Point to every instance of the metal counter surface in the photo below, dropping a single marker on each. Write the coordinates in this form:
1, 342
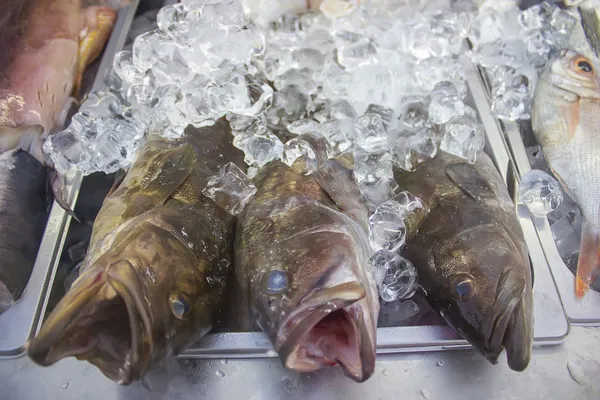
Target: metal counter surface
437, 375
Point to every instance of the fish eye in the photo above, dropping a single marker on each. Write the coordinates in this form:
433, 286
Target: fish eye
277, 281
463, 287
584, 66
180, 305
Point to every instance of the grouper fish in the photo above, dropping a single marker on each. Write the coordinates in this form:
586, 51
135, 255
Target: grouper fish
153, 280
471, 256
301, 260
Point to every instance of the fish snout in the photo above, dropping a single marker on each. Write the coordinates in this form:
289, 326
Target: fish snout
512, 328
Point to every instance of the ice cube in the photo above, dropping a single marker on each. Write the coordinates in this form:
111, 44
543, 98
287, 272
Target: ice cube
445, 103
387, 228
371, 167
399, 275
302, 79
463, 137
433, 70
377, 193
411, 148
487, 28
239, 123
124, 68
143, 90
230, 188
226, 12
540, 192
354, 55
512, 105
420, 41
102, 104
304, 126
387, 114
259, 145
501, 52
336, 83
538, 48
401, 311
247, 96
171, 19
414, 112
66, 150
370, 133
300, 155
336, 8
336, 110
410, 204
338, 133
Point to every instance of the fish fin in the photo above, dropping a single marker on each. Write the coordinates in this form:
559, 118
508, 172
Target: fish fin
25, 137
98, 24
119, 177
169, 172
590, 21
338, 182
58, 183
469, 180
588, 266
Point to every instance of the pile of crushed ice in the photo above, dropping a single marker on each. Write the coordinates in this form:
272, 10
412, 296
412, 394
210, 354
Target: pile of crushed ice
515, 46
384, 80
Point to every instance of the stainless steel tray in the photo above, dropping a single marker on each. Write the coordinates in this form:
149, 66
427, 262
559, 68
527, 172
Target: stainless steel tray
22, 321
550, 323
551, 326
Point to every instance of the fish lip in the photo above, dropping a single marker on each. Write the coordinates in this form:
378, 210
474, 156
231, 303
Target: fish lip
507, 288
313, 310
122, 277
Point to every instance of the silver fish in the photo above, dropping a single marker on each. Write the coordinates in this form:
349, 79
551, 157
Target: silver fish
566, 122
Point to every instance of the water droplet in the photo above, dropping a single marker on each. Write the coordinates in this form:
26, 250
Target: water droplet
65, 385
577, 373
220, 373
439, 364
425, 393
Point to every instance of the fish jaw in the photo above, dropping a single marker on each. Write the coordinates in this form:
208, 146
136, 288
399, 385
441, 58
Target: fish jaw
511, 327
327, 329
77, 329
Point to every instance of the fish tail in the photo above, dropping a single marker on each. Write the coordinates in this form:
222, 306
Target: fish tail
589, 259
98, 25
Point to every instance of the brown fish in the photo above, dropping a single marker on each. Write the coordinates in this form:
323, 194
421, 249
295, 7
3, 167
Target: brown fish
302, 252
153, 280
471, 256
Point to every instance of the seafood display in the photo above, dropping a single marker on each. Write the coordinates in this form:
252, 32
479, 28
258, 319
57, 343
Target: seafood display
295, 170
565, 120
471, 257
153, 280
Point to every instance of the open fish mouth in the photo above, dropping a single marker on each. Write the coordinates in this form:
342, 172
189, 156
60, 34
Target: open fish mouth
328, 329
102, 320
511, 329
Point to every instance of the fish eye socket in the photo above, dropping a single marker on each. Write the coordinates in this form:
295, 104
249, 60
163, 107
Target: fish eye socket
584, 66
463, 287
180, 305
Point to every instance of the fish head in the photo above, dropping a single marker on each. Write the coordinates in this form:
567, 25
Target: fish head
575, 74
311, 293
143, 299
484, 293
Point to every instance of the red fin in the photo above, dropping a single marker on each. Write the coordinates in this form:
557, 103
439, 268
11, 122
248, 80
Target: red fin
589, 259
